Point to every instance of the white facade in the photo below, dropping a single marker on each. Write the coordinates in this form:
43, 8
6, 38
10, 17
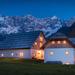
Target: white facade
65, 55
16, 53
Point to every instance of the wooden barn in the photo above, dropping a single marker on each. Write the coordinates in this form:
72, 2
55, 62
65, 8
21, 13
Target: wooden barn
22, 45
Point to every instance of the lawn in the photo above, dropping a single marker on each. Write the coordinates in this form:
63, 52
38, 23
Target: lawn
31, 67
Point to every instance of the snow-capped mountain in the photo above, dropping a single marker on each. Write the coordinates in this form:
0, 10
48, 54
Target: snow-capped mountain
16, 24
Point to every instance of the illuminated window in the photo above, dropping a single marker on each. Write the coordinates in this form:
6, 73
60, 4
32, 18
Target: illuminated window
67, 52
67, 63
41, 38
2, 54
35, 43
40, 44
53, 42
21, 54
58, 42
12, 54
39, 52
51, 53
64, 42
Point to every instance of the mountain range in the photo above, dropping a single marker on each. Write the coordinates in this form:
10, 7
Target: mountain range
49, 25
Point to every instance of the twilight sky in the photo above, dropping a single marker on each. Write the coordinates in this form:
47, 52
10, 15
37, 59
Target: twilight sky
39, 8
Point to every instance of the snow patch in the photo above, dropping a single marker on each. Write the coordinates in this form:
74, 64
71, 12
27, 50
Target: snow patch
54, 17
9, 29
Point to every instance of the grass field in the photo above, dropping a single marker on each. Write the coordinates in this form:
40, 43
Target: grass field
29, 67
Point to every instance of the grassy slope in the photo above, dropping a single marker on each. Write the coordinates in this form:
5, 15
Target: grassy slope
28, 67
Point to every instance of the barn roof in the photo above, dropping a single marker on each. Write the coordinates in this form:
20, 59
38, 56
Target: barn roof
49, 43
58, 35
70, 36
18, 40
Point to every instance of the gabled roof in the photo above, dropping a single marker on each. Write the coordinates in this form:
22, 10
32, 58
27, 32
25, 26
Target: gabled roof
18, 40
69, 32
58, 35
49, 44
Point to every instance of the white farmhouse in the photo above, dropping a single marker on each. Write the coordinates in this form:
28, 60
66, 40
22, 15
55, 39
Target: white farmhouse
22, 45
59, 49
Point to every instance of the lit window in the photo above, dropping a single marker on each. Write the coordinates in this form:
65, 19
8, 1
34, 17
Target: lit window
21, 54
2, 54
41, 38
12, 54
35, 43
67, 52
39, 52
53, 42
64, 42
67, 63
58, 42
40, 44
51, 53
